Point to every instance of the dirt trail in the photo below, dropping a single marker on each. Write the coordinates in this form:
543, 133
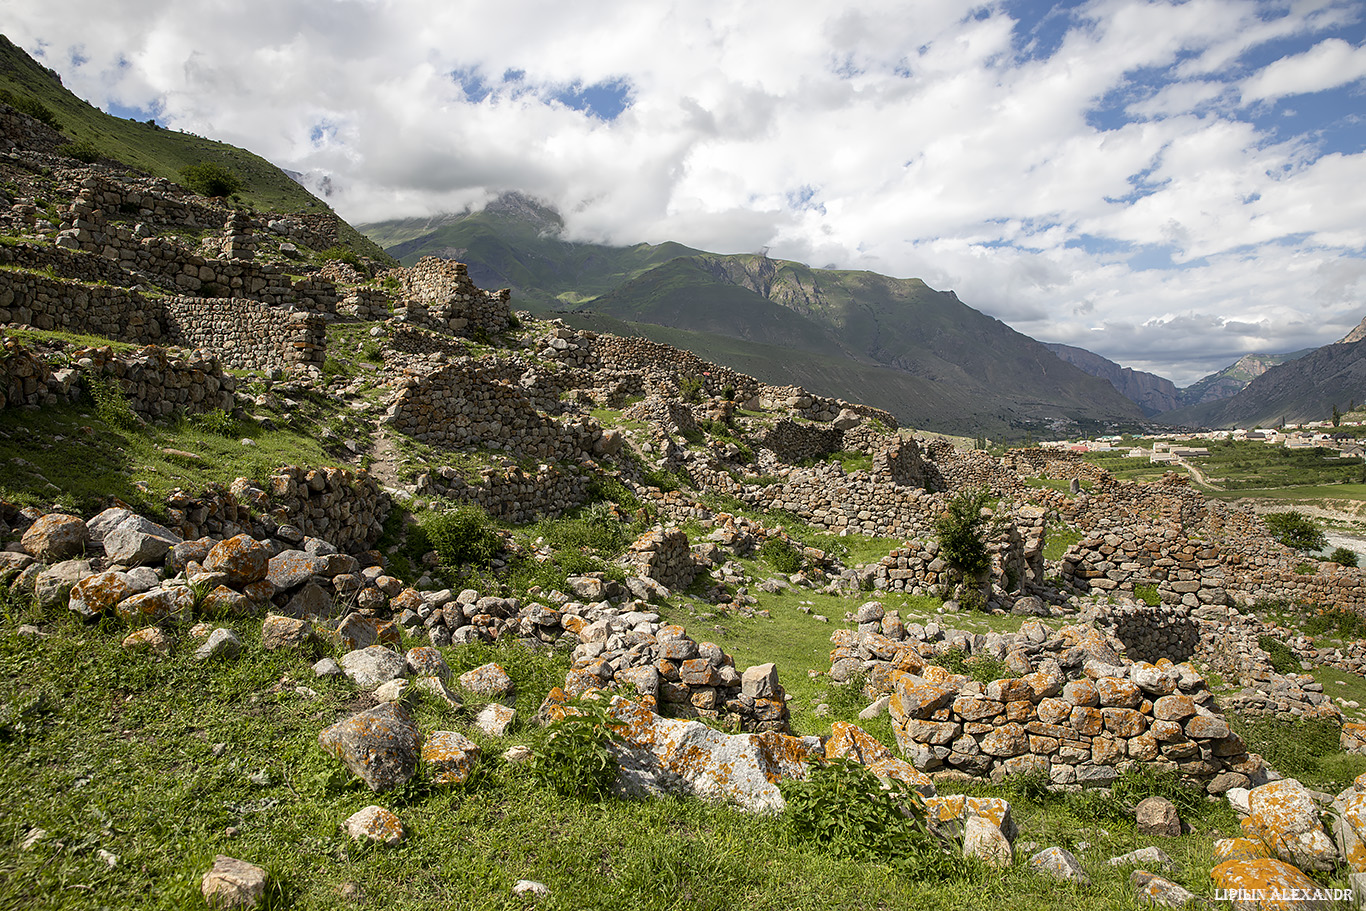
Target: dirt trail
385, 458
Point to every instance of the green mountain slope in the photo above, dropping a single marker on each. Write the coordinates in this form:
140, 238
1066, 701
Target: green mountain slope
1303, 389
935, 361
515, 243
157, 151
901, 324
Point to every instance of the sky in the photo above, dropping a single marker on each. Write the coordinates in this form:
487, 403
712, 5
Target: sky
1169, 184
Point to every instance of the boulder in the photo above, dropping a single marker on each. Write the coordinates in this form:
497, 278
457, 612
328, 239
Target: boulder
52, 586
370, 667
658, 755
451, 756
175, 603
150, 639
1157, 816
233, 883
983, 839
98, 593
242, 559
494, 719
489, 681
222, 644
1151, 890
374, 824
1285, 818
1248, 882
287, 632
291, 568
1061, 864
849, 741
379, 745
136, 541
56, 536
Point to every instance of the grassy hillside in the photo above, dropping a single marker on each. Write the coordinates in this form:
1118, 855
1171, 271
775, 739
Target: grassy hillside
514, 243
157, 151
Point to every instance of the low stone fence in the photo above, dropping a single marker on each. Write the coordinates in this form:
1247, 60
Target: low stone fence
342, 506
512, 494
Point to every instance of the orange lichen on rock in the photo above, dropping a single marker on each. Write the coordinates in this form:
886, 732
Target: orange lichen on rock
451, 755
1267, 884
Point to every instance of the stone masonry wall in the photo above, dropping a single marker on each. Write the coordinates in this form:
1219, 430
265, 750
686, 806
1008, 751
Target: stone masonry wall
438, 293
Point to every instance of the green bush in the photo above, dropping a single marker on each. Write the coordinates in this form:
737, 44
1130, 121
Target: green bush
111, 405
962, 529
462, 536
343, 255
209, 178
1148, 595
217, 422
1296, 530
1338, 621
32, 107
846, 811
785, 556
1343, 557
81, 150
981, 668
690, 389
571, 756
1283, 660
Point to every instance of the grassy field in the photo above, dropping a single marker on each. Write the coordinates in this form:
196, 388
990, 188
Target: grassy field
163, 763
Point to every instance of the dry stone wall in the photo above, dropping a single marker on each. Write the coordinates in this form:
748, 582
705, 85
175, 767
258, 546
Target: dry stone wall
20, 131
438, 293
245, 333
345, 507
466, 403
512, 494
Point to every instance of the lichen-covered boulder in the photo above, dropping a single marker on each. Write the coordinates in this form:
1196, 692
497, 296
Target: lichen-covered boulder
370, 667
848, 741
948, 814
1268, 884
658, 755
425, 661
290, 568
374, 824
1349, 825
1151, 890
1285, 818
242, 559
494, 719
984, 840
450, 755
379, 745
149, 639
1062, 864
55, 536
489, 681
287, 632
94, 595
175, 603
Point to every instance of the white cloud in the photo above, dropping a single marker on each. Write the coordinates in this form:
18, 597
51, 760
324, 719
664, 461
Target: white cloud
908, 138
1326, 65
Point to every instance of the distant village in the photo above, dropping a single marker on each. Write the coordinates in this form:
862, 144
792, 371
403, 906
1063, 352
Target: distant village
1173, 447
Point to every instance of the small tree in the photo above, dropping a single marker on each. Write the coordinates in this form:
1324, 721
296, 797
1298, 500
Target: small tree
962, 532
209, 178
1295, 529
1337, 415
1343, 557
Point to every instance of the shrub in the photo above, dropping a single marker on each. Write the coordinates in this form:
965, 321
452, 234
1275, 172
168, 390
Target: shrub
785, 556
464, 535
572, 757
216, 422
343, 255
1338, 621
1343, 557
843, 809
32, 107
1283, 660
1148, 595
690, 389
111, 405
961, 531
81, 150
209, 178
1296, 530
981, 668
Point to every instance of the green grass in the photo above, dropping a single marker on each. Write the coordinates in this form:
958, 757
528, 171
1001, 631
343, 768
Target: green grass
65, 455
122, 760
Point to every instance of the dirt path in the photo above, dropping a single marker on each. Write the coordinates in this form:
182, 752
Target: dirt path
1198, 475
384, 458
